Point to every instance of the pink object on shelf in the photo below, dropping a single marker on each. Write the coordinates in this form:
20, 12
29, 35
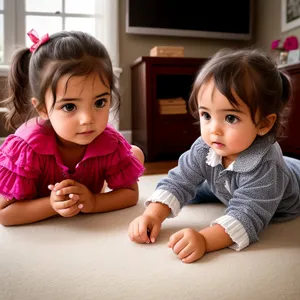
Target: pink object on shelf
291, 43
275, 44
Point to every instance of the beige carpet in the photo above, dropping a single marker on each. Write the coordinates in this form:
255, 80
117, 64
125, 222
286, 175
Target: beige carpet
91, 257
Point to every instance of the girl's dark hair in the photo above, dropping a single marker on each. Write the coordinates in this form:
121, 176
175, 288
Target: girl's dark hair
71, 53
254, 77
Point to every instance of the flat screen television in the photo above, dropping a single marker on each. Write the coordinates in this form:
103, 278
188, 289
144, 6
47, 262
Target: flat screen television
221, 19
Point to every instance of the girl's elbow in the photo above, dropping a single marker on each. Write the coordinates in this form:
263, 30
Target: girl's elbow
5, 219
134, 199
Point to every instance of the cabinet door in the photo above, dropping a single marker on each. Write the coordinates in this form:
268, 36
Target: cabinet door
291, 145
173, 133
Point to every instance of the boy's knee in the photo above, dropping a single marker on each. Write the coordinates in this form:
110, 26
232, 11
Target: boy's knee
138, 153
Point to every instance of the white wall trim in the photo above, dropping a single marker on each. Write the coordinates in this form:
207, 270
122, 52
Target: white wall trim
4, 70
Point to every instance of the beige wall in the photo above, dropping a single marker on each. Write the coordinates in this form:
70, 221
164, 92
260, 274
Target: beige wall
268, 24
133, 46
267, 27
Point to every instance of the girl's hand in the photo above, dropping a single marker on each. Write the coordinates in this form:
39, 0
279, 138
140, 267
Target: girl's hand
63, 205
188, 244
77, 192
144, 229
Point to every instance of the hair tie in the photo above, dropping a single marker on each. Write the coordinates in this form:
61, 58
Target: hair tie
34, 37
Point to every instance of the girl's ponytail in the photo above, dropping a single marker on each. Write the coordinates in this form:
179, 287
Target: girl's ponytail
18, 90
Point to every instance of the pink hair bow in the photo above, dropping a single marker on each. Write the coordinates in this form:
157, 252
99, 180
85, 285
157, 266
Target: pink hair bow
36, 40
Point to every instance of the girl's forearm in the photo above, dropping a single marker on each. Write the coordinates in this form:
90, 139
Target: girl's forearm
117, 199
216, 238
26, 211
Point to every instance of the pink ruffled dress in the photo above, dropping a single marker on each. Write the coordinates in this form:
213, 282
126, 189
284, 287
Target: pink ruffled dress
29, 162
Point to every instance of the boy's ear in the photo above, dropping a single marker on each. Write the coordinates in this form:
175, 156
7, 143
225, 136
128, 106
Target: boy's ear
266, 125
42, 112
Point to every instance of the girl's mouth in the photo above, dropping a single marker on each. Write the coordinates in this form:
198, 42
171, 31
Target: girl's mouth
86, 132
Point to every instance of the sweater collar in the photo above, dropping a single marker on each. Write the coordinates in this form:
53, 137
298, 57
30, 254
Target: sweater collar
247, 160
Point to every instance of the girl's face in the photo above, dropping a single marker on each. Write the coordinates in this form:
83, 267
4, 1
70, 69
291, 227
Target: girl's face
81, 110
226, 129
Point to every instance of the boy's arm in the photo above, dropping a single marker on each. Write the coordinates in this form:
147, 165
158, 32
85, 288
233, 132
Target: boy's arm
215, 238
157, 209
17, 212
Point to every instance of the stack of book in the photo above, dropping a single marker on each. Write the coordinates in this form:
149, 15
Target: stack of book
167, 51
172, 106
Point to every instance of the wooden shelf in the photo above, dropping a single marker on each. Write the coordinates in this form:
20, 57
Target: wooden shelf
291, 145
162, 137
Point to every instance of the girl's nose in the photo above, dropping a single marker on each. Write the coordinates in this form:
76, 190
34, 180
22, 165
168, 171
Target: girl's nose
86, 118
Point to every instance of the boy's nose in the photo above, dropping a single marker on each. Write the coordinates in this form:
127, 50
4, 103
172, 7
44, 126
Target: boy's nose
215, 128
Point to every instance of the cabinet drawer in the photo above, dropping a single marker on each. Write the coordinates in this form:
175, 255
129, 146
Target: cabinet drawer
176, 133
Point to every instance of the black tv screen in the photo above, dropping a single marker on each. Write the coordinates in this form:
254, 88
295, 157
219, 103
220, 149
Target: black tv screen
223, 19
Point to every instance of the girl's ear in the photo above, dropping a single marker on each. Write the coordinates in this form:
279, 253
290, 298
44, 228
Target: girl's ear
42, 112
266, 125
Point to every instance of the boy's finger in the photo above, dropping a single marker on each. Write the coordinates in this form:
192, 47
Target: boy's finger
175, 238
143, 233
154, 233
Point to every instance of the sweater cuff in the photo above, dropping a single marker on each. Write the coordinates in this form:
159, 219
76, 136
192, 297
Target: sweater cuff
166, 198
236, 231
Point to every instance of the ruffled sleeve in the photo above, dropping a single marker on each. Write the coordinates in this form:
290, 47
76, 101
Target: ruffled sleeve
19, 169
122, 168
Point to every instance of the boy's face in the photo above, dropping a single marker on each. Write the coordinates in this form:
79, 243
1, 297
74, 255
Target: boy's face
81, 110
226, 129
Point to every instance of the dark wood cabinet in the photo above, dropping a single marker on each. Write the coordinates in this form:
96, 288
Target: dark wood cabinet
162, 137
291, 145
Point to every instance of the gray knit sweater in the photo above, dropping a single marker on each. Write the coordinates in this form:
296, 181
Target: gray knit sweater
260, 186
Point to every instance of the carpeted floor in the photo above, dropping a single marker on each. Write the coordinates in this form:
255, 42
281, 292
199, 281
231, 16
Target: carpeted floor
90, 257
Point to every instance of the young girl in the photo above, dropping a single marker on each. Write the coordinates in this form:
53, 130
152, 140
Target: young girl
57, 163
240, 98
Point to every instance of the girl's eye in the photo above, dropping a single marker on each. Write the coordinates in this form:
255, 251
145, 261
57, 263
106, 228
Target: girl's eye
100, 103
231, 119
69, 107
205, 115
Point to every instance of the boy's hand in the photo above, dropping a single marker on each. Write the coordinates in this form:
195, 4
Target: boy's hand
188, 244
144, 229
77, 192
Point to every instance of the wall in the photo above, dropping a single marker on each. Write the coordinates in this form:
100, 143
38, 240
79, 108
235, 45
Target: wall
268, 24
267, 27
133, 46
3, 132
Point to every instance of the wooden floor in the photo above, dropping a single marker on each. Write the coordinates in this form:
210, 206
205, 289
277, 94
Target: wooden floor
161, 167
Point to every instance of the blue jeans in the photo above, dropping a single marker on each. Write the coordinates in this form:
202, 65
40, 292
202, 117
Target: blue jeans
204, 195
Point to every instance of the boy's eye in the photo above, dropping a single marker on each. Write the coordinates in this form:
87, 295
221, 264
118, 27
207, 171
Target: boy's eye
69, 107
205, 115
231, 119
100, 103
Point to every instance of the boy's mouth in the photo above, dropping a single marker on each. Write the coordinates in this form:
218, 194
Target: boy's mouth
218, 145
